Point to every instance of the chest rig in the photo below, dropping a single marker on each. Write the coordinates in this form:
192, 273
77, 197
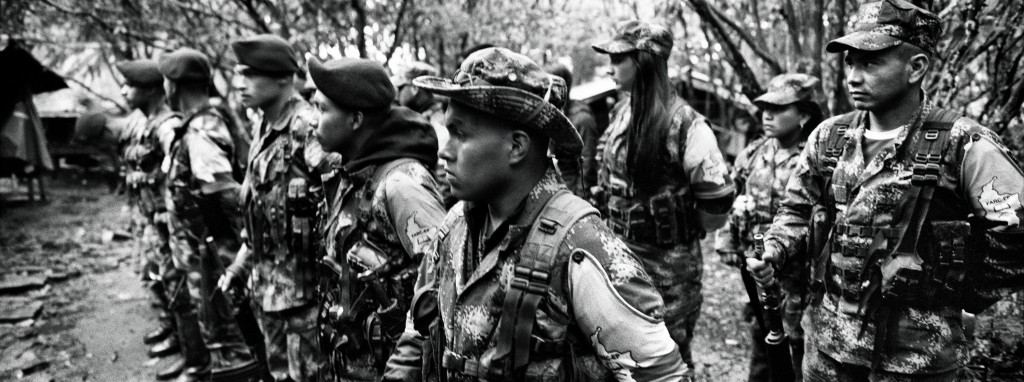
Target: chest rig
362, 308
665, 219
945, 233
514, 339
143, 156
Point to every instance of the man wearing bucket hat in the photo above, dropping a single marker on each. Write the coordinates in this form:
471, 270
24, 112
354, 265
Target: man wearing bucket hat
205, 222
926, 217
662, 180
279, 191
790, 110
381, 213
525, 282
146, 146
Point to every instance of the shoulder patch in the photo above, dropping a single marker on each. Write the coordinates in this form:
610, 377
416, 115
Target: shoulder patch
1001, 205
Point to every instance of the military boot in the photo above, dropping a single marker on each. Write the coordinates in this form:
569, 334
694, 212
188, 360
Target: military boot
162, 332
172, 370
196, 356
168, 346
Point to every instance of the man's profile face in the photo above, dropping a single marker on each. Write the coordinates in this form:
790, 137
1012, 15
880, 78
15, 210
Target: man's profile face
134, 96
258, 90
476, 154
335, 129
877, 78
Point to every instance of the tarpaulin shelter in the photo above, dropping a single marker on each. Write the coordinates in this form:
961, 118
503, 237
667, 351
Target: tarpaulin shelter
23, 147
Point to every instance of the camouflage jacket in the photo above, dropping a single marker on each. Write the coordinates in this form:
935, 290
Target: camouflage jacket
602, 302
761, 172
146, 145
389, 212
976, 176
695, 170
202, 196
280, 207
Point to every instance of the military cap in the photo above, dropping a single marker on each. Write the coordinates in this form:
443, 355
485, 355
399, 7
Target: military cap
638, 35
141, 73
266, 54
411, 72
185, 64
354, 83
788, 88
888, 23
510, 85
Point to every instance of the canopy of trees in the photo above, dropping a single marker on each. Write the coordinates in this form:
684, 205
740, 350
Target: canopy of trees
739, 43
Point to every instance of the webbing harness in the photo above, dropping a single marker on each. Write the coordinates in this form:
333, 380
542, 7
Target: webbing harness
932, 140
528, 287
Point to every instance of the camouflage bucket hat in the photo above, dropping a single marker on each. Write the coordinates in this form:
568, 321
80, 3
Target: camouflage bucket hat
888, 23
638, 35
785, 89
510, 85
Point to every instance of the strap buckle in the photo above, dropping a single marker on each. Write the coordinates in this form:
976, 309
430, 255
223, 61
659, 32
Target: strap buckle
460, 364
925, 174
530, 280
931, 135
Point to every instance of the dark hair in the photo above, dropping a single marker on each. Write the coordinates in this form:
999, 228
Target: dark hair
813, 110
648, 127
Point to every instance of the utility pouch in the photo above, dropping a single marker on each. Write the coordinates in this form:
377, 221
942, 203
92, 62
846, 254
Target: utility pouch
300, 210
666, 219
626, 218
949, 254
904, 287
690, 226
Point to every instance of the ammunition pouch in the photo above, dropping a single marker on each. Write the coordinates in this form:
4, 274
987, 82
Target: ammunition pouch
301, 212
666, 219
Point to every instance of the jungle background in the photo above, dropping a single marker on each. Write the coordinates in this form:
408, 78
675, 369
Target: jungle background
736, 46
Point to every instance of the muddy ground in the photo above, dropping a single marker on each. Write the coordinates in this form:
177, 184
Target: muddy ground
95, 311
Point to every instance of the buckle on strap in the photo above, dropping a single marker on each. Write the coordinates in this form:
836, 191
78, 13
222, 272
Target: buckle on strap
925, 174
530, 280
463, 365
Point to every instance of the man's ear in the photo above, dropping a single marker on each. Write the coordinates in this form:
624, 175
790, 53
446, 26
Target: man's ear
919, 64
357, 120
520, 146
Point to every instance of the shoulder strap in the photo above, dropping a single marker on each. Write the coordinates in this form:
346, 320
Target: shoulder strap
531, 280
835, 144
932, 140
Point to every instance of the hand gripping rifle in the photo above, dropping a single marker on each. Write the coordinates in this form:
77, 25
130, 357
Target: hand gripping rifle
780, 360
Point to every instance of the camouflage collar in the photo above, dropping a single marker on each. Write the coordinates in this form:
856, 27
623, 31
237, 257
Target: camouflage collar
521, 222
285, 116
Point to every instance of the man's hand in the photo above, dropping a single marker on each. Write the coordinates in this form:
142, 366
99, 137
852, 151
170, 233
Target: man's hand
763, 270
228, 279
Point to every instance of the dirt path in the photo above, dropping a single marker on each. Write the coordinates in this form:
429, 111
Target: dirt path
112, 329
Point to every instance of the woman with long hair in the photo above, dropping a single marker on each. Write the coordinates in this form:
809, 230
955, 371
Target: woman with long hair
662, 182
790, 110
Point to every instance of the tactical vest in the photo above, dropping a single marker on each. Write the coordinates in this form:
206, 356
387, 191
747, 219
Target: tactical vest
362, 312
142, 159
937, 236
665, 219
516, 345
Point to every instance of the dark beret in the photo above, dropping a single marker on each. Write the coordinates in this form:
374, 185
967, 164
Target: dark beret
141, 73
354, 83
266, 53
185, 64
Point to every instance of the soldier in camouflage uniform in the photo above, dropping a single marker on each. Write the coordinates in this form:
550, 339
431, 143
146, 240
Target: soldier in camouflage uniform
280, 209
525, 283
926, 220
205, 221
144, 150
790, 111
662, 179
380, 214
579, 173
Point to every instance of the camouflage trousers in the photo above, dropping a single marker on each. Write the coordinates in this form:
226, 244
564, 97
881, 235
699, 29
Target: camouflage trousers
676, 273
819, 367
218, 327
291, 338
